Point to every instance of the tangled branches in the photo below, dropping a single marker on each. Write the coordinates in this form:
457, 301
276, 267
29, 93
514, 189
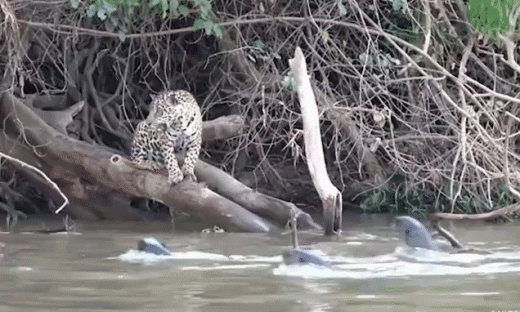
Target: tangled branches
406, 95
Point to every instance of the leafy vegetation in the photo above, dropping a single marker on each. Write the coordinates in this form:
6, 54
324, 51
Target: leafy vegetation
414, 202
493, 16
120, 15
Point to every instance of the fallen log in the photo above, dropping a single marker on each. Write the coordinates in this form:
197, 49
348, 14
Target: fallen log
271, 208
97, 166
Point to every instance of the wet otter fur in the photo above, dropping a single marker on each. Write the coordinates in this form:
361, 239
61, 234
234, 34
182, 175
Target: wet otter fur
153, 246
415, 234
297, 255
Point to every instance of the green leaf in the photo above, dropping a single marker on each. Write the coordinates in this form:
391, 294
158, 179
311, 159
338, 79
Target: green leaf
205, 8
491, 16
114, 21
164, 8
325, 36
217, 31
259, 43
74, 4
198, 24
208, 26
174, 4
109, 7
121, 35
101, 14
91, 10
154, 3
183, 10
397, 5
132, 3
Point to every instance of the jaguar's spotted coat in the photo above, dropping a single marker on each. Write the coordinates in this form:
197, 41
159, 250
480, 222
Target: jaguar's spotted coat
171, 132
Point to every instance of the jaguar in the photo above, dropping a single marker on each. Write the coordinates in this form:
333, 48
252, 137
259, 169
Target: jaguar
170, 137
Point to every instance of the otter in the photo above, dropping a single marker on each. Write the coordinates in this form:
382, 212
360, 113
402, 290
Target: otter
415, 234
297, 255
153, 246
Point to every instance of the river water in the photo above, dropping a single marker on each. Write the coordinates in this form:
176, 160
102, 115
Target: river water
98, 269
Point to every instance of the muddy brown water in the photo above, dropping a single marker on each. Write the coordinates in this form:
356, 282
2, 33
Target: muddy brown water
98, 269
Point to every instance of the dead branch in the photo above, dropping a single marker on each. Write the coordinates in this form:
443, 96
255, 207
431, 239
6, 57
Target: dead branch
442, 231
221, 128
329, 194
53, 185
503, 213
268, 207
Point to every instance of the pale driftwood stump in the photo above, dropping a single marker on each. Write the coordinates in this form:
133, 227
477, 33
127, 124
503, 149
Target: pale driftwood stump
329, 194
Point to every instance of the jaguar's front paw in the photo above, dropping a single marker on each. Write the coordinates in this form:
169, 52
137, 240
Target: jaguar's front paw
175, 178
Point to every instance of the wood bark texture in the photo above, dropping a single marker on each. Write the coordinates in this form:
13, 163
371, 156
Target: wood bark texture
329, 194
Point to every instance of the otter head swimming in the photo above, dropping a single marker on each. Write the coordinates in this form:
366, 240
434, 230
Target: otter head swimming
415, 234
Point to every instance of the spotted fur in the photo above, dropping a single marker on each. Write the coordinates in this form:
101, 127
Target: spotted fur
170, 136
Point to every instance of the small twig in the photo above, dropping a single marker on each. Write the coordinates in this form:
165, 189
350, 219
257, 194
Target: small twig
23, 164
515, 193
462, 152
491, 93
442, 231
428, 22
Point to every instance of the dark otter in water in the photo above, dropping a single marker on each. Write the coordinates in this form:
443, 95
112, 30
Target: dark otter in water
292, 256
415, 234
151, 245
296, 254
